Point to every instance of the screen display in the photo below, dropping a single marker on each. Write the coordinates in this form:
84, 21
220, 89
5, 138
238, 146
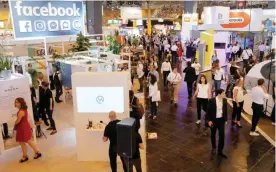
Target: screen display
100, 99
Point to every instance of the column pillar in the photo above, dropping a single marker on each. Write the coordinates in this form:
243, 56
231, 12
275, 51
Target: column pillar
94, 17
190, 6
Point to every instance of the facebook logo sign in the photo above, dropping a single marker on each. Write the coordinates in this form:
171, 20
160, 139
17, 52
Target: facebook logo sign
46, 18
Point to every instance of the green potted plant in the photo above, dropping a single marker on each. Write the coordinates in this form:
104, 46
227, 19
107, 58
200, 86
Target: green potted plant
5, 67
83, 43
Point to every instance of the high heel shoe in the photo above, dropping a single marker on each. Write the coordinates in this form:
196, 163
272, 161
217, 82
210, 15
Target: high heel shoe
26, 158
37, 155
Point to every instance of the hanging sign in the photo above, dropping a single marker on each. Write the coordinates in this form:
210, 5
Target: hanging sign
46, 18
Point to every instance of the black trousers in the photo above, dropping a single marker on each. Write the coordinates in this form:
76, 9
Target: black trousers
153, 107
200, 102
136, 163
257, 113
52, 85
50, 117
113, 161
141, 80
5, 132
59, 92
237, 111
273, 114
245, 63
174, 57
190, 89
218, 124
165, 76
261, 56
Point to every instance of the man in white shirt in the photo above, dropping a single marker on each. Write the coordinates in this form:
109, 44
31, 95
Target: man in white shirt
165, 70
197, 67
217, 118
174, 53
174, 79
219, 76
140, 74
235, 50
261, 48
259, 94
246, 55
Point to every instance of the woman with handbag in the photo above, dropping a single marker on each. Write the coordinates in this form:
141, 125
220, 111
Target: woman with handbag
153, 90
238, 99
23, 130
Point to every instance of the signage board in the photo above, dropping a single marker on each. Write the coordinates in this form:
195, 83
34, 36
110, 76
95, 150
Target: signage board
131, 13
216, 15
239, 20
46, 18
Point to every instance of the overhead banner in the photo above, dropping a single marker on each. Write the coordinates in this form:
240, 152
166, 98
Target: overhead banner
46, 18
188, 22
239, 20
216, 15
131, 13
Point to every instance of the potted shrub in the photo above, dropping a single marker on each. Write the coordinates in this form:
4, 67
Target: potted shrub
5, 67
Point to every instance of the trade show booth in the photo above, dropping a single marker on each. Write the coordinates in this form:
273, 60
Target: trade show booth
95, 94
10, 89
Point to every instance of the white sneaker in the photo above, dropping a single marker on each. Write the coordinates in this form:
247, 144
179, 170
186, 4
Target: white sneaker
198, 122
273, 123
254, 133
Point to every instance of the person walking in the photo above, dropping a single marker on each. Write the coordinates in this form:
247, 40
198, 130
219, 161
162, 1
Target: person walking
203, 93
214, 57
217, 118
23, 130
165, 70
48, 107
259, 93
218, 77
228, 52
238, 99
247, 54
58, 85
140, 73
190, 77
153, 88
174, 79
110, 133
261, 48
174, 49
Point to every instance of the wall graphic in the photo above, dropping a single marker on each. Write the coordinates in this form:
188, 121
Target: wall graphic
46, 18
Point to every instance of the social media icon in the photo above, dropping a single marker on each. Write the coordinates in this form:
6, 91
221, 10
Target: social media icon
53, 25
100, 99
39, 25
76, 24
25, 26
65, 25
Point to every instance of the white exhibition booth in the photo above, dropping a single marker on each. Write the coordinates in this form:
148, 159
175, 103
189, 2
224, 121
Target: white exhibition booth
10, 89
95, 94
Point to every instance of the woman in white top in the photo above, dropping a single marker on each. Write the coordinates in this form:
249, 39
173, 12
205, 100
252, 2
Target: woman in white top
165, 71
203, 93
238, 99
154, 63
153, 88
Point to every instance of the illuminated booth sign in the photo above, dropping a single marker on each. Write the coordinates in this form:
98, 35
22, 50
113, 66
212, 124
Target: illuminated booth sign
46, 18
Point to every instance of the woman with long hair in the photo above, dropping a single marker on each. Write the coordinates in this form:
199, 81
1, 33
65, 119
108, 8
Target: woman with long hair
153, 88
238, 99
214, 57
203, 93
23, 130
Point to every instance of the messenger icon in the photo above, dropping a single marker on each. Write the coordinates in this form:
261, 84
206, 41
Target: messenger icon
65, 25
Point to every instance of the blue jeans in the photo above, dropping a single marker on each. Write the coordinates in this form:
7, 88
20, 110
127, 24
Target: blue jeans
217, 84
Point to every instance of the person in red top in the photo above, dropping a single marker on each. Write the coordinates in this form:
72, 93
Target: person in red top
179, 51
23, 130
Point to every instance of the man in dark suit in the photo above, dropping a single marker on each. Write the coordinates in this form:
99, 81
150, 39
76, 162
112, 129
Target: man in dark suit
217, 118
